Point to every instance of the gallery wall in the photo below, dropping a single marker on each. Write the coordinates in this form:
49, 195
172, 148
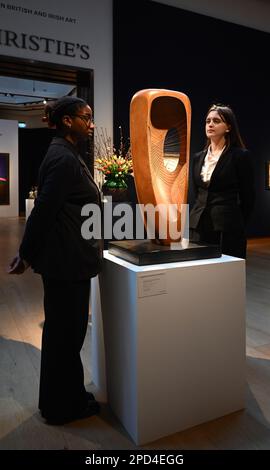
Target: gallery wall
208, 59
77, 34
252, 13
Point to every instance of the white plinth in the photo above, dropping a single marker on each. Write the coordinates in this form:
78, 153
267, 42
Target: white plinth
174, 339
29, 204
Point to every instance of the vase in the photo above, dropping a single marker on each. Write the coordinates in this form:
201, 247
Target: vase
117, 194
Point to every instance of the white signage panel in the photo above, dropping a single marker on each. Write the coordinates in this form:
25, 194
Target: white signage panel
57, 32
77, 34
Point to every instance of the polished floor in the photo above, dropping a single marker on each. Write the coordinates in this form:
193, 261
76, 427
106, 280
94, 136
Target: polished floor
21, 319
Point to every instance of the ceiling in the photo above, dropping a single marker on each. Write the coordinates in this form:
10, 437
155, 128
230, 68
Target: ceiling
18, 92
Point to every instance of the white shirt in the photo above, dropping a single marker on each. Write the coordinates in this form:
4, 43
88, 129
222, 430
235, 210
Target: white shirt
209, 165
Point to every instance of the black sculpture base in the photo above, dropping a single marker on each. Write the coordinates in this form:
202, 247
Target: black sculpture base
144, 252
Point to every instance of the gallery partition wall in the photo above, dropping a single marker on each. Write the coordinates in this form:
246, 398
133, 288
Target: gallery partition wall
208, 59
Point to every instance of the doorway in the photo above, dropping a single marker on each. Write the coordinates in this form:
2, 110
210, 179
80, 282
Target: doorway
33, 143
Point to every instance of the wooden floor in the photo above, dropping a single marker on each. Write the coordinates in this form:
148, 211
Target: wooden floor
21, 318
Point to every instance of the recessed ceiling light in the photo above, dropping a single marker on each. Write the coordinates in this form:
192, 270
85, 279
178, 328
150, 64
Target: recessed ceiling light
21, 124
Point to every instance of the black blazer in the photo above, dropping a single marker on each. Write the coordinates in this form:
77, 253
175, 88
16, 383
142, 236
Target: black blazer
52, 242
229, 197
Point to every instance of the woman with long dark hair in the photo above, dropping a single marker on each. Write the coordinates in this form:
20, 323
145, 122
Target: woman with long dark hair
224, 183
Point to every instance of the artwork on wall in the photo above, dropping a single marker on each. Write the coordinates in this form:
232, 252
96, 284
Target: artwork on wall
4, 179
267, 175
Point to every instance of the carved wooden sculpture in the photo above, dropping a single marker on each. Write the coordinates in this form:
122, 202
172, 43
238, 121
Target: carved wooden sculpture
160, 134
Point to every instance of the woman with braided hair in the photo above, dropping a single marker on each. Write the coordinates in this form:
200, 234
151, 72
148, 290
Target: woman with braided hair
54, 247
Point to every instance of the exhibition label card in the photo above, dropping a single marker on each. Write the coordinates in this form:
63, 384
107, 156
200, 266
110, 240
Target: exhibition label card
154, 284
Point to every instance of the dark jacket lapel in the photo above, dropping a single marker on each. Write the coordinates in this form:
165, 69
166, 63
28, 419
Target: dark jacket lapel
198, 165
65, 143
220, 164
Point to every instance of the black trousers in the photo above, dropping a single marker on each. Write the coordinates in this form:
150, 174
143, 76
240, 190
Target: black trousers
232, 242
66, 307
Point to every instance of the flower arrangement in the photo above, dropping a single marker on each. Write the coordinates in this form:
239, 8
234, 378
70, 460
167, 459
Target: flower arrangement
115, 165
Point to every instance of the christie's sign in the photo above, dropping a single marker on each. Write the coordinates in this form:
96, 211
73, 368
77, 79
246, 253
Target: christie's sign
32, 42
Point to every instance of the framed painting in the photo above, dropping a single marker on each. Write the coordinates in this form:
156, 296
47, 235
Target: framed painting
4, 179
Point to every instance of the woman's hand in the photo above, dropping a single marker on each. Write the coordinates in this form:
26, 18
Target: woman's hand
17, 265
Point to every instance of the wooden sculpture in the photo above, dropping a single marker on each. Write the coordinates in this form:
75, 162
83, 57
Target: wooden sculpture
160, 134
